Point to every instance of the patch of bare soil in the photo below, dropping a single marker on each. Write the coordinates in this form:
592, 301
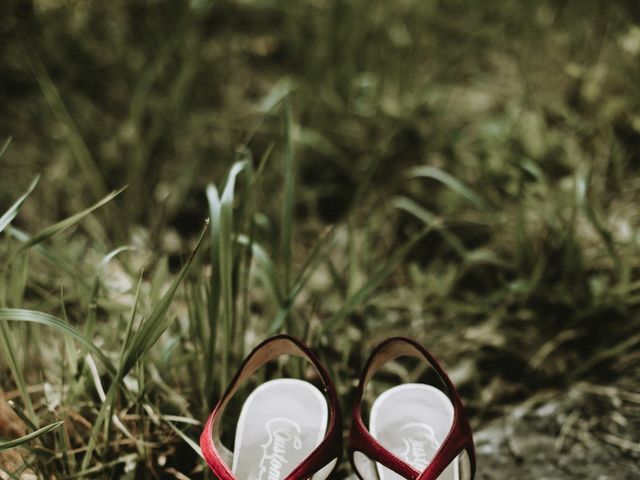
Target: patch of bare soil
586, 432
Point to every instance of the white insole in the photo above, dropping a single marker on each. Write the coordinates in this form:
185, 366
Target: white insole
411, 421
280, 424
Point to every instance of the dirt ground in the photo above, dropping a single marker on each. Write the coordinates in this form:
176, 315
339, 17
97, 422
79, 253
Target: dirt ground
562, 435
528, 451
568, 437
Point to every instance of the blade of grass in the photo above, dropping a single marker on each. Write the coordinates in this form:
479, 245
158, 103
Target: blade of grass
110, 256
198, 332
224, 235
57, 260
278, 93
265, 269
194, 446
91, 472
132, 319
452, 183
109, 401
157, 122
27, 438
5, 145
62, 225
213, 293
151, 330
16, 371
594, 218
10, 214
77, 145
319, 252
22, 315
141, 342
286, 237
90, 324
18, 411
373, 282
18, 279
430, 220
246, 209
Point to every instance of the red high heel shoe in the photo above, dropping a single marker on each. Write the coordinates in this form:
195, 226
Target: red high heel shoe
287, 429
415, 430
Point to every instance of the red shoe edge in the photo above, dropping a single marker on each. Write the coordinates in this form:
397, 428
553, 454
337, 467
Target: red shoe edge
331, 446
458, 440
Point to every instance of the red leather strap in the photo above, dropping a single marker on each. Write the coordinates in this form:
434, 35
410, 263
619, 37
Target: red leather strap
458, 439
331, 446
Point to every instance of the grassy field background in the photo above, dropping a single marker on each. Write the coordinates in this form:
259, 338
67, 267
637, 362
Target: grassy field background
465, 173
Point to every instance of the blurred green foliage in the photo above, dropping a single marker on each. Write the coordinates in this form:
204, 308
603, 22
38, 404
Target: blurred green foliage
463, 172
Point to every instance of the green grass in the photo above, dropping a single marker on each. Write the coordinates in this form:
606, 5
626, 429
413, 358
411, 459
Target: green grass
19, 441
463, 174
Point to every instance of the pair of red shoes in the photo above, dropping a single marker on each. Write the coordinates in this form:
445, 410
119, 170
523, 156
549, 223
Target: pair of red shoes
290, 430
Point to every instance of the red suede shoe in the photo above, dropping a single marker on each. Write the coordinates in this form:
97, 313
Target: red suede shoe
287, 429
415, 430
